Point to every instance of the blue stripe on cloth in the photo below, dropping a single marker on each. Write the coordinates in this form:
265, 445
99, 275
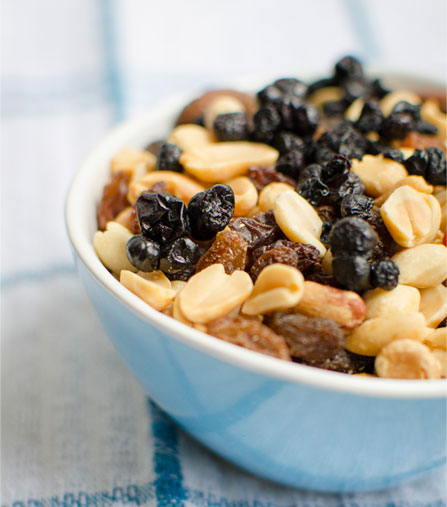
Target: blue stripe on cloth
359, 18
108, 10
169, 480
11, 280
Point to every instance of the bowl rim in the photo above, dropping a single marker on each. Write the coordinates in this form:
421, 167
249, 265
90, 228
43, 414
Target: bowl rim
76, 211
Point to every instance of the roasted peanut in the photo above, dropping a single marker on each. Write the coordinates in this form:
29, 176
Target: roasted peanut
224, 161
402, 299
178, 184
345, 307
391, 99
411, 217
354, 110
153, 288
298, 220
124, 216
422, 266
245, 195
441, 197
326, 262
189, 136
212, 293
407, 359
327, 94
431, 112
378, 174
278, 287
129, 160
416, 182
268, 195
441, 356
434, 304
110, 246
222, 104
369, 338
437, 338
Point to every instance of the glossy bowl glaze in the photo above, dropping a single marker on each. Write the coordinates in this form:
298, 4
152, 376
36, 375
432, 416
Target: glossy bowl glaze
297, 425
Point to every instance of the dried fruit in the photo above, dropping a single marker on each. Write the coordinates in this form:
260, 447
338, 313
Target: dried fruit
430, 163
114, 199
291, 164
358, 205
266, 122
346, 362
231, 127
351, 271
262, 176
384, 274
310, 184
308, 338
168, 158
250, 334
178, 259
344, 140
352, 236
143, 253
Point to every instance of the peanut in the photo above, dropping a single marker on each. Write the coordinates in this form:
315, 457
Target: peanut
327, 94
270, 192
345, 307
416, 182
407, 359
212, 293
402, 299
391, 99
431, 112
189, 136
224, 161
221, 105
434, 304
153, 288
245, 195
411, 217
437, 338
128, 160
110, 246
298, 220
369, 338
178, 184
378, 174
277, 287
441, 196
422, 266
124, 216
441, 356
354, 110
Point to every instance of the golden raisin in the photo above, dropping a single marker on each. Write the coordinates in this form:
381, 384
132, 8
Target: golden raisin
229, 248
114, 199
421, 141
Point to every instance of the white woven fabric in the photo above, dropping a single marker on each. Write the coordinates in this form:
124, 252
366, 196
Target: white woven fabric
76, 427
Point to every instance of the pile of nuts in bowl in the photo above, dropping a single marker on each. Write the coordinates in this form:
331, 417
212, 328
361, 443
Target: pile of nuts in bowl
306, 222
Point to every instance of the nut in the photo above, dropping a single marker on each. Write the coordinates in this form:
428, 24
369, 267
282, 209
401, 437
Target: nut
327, 94
245, 195
270, 192
190, 136
344, 307
441, 356
178, 184
434, 304
128, 160
378, 174
110, 246
431, 112
369, 338
298, 220
411, 217
416, 182
153, 288
212, 293
407, 359
224, 161
354, 110
326, 262
391, 99
402, 299
437, 339
422, 266
124, 217
441, 197
222, 104
277, 287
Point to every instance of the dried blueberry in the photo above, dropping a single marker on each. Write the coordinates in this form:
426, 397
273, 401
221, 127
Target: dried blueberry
371, 117
310, 185
336, 166
397, 126
384, 274
291, 164
210, 211
162, 217
351, 271
335, 107
344, 140
306, 119
291, 86
287, 141
394, 154
348, 68
430, 163
168, 158
178, 260
231, 127
424, 127
352, 236
344, 184
266, 122
358, 205
325, 232
143, 253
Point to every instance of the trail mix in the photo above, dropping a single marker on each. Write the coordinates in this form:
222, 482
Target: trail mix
306, 222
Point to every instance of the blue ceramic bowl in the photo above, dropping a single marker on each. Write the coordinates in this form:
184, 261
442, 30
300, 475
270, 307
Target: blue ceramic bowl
297, 425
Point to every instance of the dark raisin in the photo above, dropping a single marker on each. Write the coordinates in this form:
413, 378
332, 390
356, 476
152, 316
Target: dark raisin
143, 253
310, 185
178, 260
384, 274
210, 211
162, 217
358, 205
279, 254
262, 176
328, 212
325, 232
371, 117
291, 163
250, 334
308, 338
229, 248
168, 158
420, 141
231, 127
286, 141
351, 271
352, 236
346, 362
114, 199
266, 122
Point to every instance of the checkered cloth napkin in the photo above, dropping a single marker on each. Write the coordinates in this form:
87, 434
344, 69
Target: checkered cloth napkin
76, 427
